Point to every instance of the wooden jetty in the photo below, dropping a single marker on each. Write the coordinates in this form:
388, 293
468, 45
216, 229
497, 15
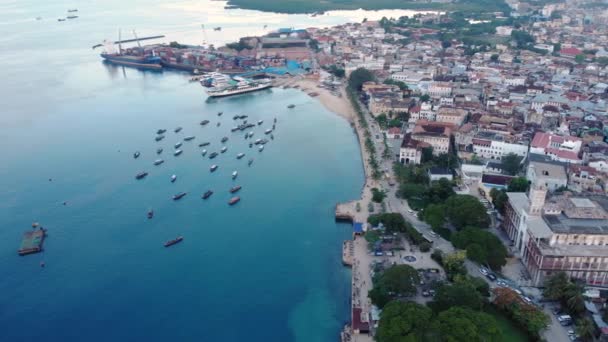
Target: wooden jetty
32, 242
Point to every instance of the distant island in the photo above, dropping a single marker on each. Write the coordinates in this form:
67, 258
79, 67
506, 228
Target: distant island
319, 6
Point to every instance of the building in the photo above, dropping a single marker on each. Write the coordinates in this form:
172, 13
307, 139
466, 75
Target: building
564, 233
437, 173
440, 89
565, 149
490, 145
451, 115
436, 134
411, 150
550, 175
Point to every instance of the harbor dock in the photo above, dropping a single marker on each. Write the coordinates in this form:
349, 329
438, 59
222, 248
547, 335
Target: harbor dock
32, 242
346, 211
348, 252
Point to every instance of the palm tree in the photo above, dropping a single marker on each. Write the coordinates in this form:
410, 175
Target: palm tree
585, 329
573, 296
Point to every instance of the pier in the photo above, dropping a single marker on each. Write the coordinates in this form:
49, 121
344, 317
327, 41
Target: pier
346, 211
348, 252
32, 242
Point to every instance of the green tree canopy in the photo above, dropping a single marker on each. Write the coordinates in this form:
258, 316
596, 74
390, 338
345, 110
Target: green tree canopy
458, 294
463, 324
403, 321
466, 210
358, 77
511, 164
425, 98
499, 199
434, 215
397, 281
481, 246
518, 184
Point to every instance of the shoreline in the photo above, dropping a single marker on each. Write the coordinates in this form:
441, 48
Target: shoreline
353, 250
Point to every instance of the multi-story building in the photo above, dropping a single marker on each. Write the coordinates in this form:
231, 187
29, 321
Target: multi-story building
451, 115
490, 145
550, 175
440, 89
565, 233
411, 150
565, 149
436, 134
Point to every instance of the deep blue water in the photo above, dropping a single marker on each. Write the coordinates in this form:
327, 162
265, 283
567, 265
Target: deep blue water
267, 269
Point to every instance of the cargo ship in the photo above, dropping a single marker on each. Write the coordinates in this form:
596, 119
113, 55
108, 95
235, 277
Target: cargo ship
221, 85
119, 58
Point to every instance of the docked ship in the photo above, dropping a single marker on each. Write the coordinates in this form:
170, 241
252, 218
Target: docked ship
138, 61
220, 85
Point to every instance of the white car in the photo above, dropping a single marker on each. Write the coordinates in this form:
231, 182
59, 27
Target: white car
483, 271
433, 234
410, 211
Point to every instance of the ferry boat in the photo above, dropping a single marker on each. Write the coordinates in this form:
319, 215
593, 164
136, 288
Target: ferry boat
204, 122
159, 137
234, 200
224, 149
258, 141
204, 153
179, 196
159, 150
213, 168
136, 155
207, 194
177, 152
141, 175
235, 189
220, 85
174, 241
178, 145
188, 138
234, 174
204, 144
150, 214
177, 129
213, 155
173, 178
260, 122
158, 161
224, 139
268, 131
161, 131
240, 155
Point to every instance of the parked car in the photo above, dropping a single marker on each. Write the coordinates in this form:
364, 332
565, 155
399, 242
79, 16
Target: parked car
483, 271
491, 276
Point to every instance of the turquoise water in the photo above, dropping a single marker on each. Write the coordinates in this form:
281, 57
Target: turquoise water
267, 269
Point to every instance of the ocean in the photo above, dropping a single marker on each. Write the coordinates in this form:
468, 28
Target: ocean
267, 269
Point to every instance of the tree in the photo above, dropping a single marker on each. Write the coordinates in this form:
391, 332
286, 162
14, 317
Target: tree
397, 281
426, 154
511, 163
518, 184
499, 199
481, 246
393, 222
378, 195
403, 321
526, 315
358, 77
585, 329
494, 57
580, 59
425, 247
425, 98
458, 294
336, 71
466, 210
463, 324
434, 215
555, 286
453, 264
372, 237
603, 61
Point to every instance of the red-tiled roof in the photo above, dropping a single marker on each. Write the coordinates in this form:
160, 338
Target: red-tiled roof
570, 51
394, 130
358, 324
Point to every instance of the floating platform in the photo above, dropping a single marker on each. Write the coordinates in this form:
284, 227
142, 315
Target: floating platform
32, 242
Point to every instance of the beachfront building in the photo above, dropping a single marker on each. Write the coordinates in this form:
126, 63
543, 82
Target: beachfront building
564, 233
436, 134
